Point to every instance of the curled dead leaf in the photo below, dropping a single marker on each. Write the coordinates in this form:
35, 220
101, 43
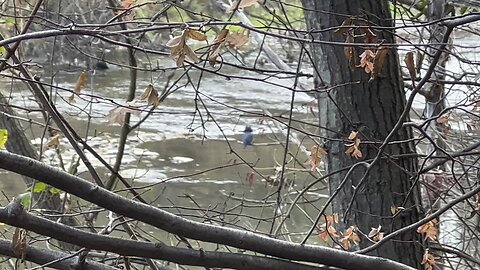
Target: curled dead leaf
350, 51
395, 209
353, 135
191, 55
366, 61
443, 119
180, 49
81, 81
376, 234
237, 39
428, 260
196, 35
54, 142
379, 60
117, 114
350, 237
19, 243
327, 229
151, 95
419, 61
175, 41
217, 44
353, 149
429, 229
316, 155
410, 62
250, 178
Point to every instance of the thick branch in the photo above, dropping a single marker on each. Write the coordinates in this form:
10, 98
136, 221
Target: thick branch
14, 215
187, 228
54, 259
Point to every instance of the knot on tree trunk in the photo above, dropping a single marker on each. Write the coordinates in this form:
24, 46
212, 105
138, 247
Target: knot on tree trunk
12, 212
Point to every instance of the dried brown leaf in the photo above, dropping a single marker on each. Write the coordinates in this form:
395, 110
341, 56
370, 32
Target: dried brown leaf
349, 237
242, 4
250, 178
332, 231
217, 44
376, 234
476, 105
81, 81
327, 229
316, 155
343, 28
350, 51
410, 62
357, 153
323, 234
237, 39
196, 35
54, 141
19, 243
353, 135
175, 41
191, 54
429, 229
221, 36
442, 119
428, 260
151, 95
379, 60
180, 49
393, 209
366, 61
353, 149
180, 60
117, 115
419, 61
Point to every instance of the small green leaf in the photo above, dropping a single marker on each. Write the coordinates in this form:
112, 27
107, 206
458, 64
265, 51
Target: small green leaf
39, 187
3, 137
2, 51
25, 199
10, 20
54, 190
463, 10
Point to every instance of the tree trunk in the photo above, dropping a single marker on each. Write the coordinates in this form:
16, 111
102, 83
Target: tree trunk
372, 107
17, 142
435, 95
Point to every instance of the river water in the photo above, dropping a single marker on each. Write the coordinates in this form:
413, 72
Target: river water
186, 167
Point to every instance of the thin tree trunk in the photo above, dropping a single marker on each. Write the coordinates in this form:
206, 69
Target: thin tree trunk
372, 107
435, 95
17, 142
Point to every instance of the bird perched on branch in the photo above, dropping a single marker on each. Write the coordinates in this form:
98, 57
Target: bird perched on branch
247, 137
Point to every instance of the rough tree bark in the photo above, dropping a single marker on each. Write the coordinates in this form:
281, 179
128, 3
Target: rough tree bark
373, 107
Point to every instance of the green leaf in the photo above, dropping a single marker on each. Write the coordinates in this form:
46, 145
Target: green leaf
463, 10
39, 187
10, 20
3, 137
54, 190
25, 199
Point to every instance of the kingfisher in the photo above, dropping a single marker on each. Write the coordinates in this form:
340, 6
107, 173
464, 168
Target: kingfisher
247, 138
